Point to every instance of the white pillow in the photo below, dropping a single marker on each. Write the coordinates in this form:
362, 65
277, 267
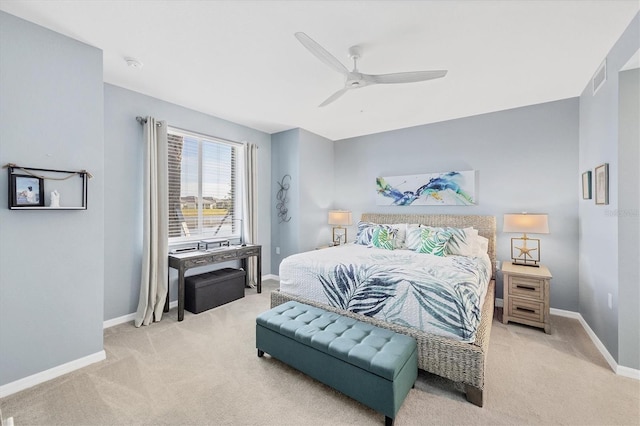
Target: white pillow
462, 241
401, 235
481, 246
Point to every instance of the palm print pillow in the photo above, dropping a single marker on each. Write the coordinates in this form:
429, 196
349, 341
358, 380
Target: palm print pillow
372, 234
426, 239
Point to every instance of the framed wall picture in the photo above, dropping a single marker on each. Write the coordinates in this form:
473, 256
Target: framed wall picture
27, 191
602, 184
586, 185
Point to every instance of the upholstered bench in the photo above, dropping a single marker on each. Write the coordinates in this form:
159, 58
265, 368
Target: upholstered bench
374, 366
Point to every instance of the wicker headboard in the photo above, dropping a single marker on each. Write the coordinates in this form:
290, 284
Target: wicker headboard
486, 225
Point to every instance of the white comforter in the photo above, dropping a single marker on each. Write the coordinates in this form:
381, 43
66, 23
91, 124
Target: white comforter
439, 295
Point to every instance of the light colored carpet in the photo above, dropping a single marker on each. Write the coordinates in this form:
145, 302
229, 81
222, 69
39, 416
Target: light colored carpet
205, 371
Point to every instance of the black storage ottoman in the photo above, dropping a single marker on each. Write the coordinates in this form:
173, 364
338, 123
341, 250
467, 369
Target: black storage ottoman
211, 289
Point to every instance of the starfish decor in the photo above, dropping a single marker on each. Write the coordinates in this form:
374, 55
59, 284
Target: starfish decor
524, 251
525, 254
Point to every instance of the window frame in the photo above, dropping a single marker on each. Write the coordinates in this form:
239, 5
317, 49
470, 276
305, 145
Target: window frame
237, 167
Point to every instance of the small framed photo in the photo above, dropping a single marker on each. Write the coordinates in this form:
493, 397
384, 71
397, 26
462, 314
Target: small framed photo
27, 191
586, 185
602, 184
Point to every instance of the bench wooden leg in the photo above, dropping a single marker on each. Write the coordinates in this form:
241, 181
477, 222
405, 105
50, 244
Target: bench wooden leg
260, 353
388, 421
474, 395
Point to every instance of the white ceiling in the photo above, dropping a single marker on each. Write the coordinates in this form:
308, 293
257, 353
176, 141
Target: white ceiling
239, 60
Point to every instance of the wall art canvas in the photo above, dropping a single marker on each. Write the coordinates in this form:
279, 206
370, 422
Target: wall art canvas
602, 184
432, 189
586, 185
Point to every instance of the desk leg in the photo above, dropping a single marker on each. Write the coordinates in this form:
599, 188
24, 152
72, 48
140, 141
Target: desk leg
166, 302
244, 264
181, 293
259, 273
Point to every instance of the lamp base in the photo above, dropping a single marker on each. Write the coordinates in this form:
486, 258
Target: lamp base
533, 265
337, 236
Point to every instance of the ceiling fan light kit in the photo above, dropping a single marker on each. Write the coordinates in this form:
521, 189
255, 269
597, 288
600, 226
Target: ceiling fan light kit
355, 79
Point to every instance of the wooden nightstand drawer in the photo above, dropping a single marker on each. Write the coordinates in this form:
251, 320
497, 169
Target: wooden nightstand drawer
526, 295
526, 287
526, 309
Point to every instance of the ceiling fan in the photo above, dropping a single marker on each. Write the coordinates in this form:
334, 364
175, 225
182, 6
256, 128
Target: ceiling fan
355, 79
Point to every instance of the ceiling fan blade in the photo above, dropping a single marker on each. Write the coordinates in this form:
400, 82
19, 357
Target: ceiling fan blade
404, 77
320, 52
333, 97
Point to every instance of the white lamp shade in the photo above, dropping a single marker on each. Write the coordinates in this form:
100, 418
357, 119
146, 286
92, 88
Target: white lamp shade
339, 217
526, 223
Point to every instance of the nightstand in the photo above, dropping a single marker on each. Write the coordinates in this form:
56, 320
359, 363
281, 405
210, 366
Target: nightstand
324, 247
526, 295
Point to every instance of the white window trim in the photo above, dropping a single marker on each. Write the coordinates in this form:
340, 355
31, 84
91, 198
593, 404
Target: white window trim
237, 213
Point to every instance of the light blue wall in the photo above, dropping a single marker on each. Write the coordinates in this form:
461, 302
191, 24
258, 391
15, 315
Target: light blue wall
599, 225
316, 189
629, 219
123, 168
526, 160
285, 149
51, 262
309, 159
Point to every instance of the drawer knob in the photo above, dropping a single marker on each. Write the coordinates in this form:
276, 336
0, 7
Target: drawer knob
518, 308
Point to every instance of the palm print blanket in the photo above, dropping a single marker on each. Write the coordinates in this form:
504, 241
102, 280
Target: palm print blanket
438, 295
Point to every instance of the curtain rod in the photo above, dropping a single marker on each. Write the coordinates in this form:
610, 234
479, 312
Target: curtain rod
143, 120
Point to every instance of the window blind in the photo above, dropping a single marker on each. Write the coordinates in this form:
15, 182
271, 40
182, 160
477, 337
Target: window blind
203, 193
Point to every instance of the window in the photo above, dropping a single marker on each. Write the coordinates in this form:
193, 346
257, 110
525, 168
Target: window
203, 187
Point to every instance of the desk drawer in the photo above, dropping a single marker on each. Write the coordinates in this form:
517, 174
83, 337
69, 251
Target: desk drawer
526, 309
253, 251
225, 255
526, 287
197, 262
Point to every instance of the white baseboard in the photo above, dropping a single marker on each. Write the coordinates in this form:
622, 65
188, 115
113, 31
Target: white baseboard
52, 373
129, 317
632, 373
119, 320
618, 369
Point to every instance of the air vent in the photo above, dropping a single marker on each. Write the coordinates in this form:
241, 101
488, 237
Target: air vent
600, 77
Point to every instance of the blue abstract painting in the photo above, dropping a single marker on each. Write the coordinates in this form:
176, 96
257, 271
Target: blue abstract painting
432, 189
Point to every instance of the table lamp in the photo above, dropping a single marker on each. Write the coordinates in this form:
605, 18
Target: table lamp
339, 218
527, 223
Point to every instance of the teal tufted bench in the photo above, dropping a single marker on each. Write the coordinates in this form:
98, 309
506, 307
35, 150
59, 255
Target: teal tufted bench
374, 366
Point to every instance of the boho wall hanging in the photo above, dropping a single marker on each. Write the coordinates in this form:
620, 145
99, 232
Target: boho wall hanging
281, 196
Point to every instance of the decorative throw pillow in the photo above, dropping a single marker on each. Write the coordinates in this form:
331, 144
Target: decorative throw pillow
428, 240
365, 231
382, 236
462, 241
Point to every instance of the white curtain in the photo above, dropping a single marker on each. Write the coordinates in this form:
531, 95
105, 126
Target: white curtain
153, 283
250, 205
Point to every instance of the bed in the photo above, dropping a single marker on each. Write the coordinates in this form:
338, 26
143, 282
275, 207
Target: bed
460, 358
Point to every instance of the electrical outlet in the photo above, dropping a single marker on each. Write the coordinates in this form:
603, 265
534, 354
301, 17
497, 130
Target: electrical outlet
277, 250
498, 265
610, 301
